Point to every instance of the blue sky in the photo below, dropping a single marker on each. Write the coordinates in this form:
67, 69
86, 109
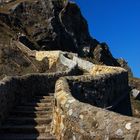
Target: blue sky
116, 22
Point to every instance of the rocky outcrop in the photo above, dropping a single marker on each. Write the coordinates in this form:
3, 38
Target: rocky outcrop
125, 65
102, 55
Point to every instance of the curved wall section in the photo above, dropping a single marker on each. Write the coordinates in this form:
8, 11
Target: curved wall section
75, 118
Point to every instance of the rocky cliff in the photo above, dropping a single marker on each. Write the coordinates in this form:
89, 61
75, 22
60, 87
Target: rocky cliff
54, 25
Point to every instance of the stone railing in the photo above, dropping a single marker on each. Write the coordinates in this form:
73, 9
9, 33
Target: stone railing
67, 62
75, 118
83, 64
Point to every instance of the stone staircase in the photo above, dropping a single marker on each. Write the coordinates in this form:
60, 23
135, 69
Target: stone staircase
30, 121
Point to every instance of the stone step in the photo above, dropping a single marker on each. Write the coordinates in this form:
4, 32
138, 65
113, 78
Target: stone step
21, 113
32, 108
43, 97
28, 120
34, 104
25, 129
37, 100
26, 137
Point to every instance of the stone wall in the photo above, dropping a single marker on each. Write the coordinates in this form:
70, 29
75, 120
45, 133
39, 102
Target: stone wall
108, 91
75, 60
67, 62
102, 69
73, 119
83, 104
83, 64
52, 56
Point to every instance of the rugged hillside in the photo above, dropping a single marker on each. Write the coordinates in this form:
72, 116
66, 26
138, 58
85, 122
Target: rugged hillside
53, 25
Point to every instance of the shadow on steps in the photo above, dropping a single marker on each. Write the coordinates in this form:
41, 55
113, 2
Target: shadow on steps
29, 121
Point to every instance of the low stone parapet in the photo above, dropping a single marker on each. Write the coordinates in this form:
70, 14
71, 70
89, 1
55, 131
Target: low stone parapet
67, 62
102, 69
83, 64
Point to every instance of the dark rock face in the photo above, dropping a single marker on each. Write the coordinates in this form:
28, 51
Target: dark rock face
76, 26
124, 65
102, 55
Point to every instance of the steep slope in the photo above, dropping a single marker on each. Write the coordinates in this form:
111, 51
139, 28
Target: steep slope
54, 25
14, 61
